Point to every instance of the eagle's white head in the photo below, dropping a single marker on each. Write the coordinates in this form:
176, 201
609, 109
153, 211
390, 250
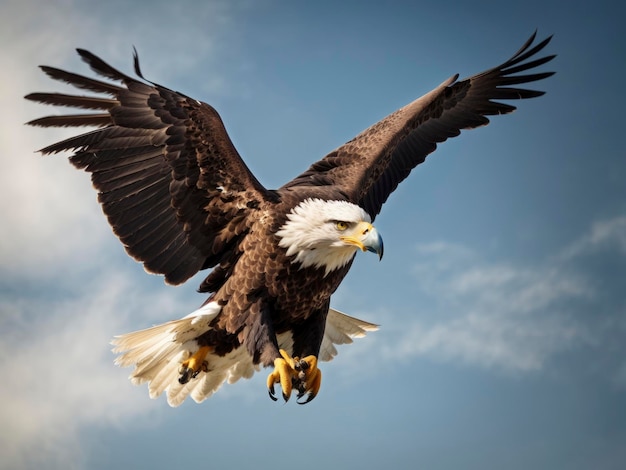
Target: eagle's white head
327, 234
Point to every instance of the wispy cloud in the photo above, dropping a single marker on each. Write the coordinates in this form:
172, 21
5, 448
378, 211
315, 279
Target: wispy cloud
58, 371
604, 234
511, 316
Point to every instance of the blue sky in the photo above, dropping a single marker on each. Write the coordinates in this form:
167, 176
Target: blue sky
500, 297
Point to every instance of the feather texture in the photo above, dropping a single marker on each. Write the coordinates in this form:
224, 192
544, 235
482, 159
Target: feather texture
369, 167
157, 164
157, 353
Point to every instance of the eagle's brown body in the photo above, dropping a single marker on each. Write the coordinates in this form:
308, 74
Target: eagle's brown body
264, 295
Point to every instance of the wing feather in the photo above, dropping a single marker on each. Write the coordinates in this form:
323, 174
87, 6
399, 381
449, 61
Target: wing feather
369, 167
160, 163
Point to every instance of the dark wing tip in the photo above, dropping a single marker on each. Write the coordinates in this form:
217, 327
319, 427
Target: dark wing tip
525, 52
101, 67
136, 63
87, 56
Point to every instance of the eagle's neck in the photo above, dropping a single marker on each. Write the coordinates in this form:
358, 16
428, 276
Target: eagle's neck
326, 258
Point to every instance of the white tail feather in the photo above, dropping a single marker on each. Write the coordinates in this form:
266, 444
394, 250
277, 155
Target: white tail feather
157, 353
340, 329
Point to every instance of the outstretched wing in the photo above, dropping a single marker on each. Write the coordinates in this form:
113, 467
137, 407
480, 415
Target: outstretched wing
369, 168
170, 181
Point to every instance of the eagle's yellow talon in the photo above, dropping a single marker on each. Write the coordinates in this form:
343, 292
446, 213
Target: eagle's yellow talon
291, 373
190, 368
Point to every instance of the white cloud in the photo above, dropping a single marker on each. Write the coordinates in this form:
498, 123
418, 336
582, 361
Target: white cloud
47, 208
58, 370
608, 231
605, 233
507, 316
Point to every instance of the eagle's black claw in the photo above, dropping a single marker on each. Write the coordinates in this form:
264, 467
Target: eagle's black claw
300, 385
309, 398
186, 375
272, 393
195, 364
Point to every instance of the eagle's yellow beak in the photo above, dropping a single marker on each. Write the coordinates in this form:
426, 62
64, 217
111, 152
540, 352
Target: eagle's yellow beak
366, 237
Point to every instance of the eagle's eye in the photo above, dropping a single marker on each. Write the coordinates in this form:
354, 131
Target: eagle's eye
341, 226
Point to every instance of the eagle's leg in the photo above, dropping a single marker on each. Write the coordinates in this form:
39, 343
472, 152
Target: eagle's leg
301, 374
190, 368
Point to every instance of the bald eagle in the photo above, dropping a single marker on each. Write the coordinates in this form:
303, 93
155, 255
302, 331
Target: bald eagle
181, 200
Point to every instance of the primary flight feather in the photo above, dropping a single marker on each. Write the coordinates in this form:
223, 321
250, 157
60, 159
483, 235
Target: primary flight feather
181, 199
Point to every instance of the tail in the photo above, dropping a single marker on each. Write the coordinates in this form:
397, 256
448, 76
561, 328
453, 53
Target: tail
158, 352
341, 329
